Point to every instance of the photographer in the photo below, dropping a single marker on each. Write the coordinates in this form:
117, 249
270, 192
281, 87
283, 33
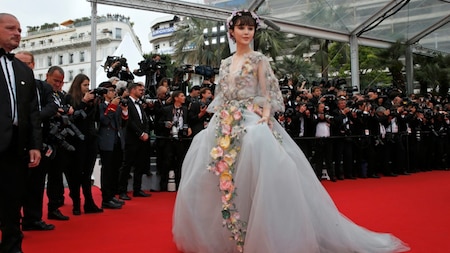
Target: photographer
194, 94
58, 159
35, 184
113, 113
396, 133
341, 127
198, 116
154, 70
82, 160
172, 144
324, 145
208, 82
119, 68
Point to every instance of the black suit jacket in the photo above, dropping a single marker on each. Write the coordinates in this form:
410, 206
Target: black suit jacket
135, 126
29, 127
167, 115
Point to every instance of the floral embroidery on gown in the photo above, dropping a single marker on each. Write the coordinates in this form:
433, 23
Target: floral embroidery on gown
283, 207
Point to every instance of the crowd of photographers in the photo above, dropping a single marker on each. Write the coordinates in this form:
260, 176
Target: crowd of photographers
380, 132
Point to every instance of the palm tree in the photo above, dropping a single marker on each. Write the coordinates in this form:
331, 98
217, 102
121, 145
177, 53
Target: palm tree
191, 46
270, 42
390, 58
433, 72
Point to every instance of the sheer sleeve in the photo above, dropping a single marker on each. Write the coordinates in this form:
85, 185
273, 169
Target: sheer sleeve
269, 93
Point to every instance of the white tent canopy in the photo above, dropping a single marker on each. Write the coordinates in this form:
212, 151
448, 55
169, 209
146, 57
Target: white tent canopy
127, 49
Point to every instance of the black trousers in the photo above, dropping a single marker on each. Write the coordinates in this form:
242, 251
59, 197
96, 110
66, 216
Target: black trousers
80, 168
13, 169
34, 193
136, 156
172, 153
55, 185
109, 174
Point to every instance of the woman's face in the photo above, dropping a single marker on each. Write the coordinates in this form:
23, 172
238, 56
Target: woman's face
243, 34
85, 86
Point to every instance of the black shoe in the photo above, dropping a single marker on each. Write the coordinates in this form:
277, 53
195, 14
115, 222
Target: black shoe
118, 201
76, 212
390, 175
141, 194
111, 205
37, 225
124, 196
406, 173
57, 215
374, 176
92, 209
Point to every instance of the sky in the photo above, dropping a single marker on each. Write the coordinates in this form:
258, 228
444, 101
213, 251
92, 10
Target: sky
39, 12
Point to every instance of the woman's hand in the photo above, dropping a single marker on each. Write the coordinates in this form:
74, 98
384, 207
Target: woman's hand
266, 120
263, 119
88, 96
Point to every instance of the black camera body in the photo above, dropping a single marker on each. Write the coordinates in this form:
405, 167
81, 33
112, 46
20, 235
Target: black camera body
100, 91
110, 60
150, 66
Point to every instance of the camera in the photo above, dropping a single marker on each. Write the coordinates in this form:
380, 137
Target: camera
123, 102
174, 131
150, 66
148, 99
100, 91
61, 128
110, 60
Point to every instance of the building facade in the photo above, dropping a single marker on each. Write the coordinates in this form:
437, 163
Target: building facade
68, 45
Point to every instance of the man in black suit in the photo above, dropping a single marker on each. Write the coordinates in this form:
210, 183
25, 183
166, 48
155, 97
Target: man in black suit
20, 132
137, 144
35, 184
198, 116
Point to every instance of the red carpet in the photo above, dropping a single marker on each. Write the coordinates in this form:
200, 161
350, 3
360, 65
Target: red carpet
415, 208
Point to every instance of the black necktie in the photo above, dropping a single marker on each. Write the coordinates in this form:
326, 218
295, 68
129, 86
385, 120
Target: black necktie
10, 56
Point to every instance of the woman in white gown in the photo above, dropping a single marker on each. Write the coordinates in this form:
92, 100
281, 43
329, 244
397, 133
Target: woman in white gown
246, 186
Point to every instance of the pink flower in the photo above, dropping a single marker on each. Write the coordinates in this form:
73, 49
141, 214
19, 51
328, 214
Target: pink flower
222, 166
224, 114
225, 185
237, 115
226, 129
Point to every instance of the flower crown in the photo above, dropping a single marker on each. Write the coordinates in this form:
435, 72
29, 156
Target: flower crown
241, 13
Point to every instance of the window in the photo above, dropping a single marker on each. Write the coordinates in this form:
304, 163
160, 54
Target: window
49, 61
60, 61
118, 33
70, 75
157, 46
71, 58
81, 56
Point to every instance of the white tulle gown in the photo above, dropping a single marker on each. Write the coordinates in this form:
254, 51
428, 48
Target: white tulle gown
285, 207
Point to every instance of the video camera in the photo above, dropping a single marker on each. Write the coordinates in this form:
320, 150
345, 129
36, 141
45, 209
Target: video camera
205, 71
110, 60
63, 127
150, 66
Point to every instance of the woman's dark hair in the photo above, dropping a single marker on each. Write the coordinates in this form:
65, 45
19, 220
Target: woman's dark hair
75, 88
242, 18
